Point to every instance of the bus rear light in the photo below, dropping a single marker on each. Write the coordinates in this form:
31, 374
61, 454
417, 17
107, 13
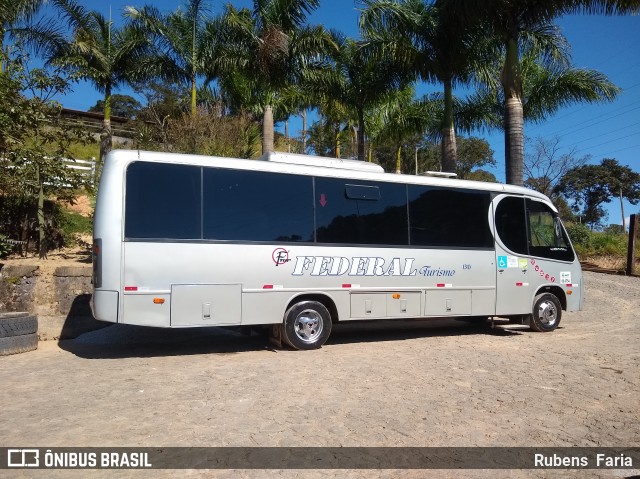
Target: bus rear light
267, 286
346, 285
131, 288
158, 300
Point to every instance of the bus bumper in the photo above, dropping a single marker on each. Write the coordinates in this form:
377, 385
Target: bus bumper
104, 305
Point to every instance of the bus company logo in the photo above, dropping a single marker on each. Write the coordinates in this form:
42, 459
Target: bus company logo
280, 256
23, 458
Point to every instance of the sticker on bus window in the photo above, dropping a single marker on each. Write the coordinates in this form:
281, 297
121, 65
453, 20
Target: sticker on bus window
523, 263
565, 277
512, 261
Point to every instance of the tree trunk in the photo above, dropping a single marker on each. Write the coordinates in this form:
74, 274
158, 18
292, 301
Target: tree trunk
513, 141
42, 237
267, 130
106, 139
193, 95
286, 136
361, 150
304, 131
448, 141
624, 220
336, 144
513, 114
399, 159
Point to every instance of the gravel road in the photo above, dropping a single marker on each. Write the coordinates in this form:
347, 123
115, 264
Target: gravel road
421, 383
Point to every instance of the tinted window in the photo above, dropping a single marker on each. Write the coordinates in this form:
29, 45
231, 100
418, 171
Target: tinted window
449, 218
162, 201
360, 213
547, 236
257, 206
511, 224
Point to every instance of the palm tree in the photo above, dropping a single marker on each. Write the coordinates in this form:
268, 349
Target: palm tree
403, 118
185, 40
14, 14
548, 83
99, 52
267, 50
509, 22
429, 43
356, 82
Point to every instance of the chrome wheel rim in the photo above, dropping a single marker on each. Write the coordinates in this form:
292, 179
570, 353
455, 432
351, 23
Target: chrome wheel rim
308, 326
547, 313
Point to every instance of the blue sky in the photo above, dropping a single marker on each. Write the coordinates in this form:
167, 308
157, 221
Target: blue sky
608, 44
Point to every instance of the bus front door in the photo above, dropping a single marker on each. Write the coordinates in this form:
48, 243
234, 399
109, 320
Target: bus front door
514, 288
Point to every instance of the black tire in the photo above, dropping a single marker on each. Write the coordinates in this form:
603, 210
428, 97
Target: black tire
17, 324
547, 313
18, 344
307, 325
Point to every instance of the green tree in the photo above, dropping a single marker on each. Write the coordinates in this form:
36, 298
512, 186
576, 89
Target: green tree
356, 82
548, 84
515, 24
121, 105
473, 155
591, 186
428, 41
403, 118
38, 149
13, 16
186, 42
267, 50
106, 56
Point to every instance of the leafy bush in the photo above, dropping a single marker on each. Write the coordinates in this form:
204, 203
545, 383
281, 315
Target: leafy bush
72, 225
18, 221
5, 247
596, 243
609, 244
580, 236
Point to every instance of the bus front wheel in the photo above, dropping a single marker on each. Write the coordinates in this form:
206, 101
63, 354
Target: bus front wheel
307, 325
547, 312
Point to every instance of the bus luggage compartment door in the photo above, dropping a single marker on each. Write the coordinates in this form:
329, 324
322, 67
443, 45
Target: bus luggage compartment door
206, 304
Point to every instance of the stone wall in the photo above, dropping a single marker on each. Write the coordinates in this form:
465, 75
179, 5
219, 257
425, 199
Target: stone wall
61, 300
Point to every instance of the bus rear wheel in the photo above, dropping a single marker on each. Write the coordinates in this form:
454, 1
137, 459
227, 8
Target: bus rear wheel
307, 325
547, 312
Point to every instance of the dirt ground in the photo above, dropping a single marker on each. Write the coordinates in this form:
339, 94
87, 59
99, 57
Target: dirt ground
437, 383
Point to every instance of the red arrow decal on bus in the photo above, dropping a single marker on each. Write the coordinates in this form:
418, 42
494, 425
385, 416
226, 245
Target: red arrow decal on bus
323, 200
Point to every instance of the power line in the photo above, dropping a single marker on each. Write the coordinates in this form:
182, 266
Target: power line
604, 134
618, 150
538, 126
607, 142
600, 119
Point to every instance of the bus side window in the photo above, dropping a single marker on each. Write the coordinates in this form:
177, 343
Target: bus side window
511, 224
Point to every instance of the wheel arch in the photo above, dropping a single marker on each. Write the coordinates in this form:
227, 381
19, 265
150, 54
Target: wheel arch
322, 298
557, 291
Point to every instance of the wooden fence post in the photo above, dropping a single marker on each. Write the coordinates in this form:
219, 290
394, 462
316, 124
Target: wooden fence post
631, 250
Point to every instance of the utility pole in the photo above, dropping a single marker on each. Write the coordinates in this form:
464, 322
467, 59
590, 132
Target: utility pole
631, 249
624, 220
